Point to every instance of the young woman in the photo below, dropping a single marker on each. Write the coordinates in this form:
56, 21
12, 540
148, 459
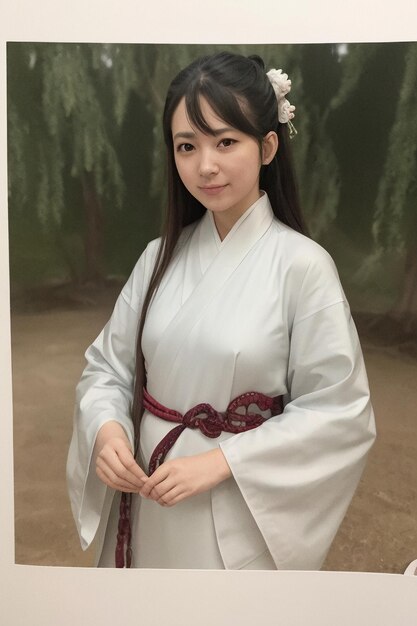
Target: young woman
227, 397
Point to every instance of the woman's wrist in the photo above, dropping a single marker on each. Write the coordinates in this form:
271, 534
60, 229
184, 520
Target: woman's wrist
110, 430
222, 466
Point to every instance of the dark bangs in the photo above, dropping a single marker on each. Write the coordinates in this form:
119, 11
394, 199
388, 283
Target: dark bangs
226, 104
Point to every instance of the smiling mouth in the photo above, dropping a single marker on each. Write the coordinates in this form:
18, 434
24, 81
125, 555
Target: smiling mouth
213, 189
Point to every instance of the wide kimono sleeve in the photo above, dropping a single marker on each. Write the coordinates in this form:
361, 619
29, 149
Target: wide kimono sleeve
298, 471
104, 394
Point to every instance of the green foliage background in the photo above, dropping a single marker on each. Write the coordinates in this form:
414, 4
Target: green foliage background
89, 114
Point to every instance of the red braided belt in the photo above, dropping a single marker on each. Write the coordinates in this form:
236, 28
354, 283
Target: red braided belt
211, 423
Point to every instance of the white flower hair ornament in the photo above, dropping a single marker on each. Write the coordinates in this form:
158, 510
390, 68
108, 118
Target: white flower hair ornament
281, 86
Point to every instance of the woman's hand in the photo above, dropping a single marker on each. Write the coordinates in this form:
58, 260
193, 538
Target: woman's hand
187, 476
115, 464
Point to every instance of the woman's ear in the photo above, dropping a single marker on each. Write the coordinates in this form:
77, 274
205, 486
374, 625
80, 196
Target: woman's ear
269, 147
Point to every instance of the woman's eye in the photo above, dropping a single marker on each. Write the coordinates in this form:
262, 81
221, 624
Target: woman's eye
227, 142
185, 147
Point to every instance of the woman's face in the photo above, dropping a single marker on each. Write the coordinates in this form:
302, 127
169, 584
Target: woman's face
222, 170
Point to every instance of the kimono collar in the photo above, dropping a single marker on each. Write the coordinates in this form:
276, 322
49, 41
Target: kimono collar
209, 240
208, 266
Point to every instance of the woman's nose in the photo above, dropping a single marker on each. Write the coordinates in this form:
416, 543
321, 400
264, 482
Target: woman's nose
208, 163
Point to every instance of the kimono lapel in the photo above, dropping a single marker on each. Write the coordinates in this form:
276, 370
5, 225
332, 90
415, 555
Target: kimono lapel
209, 242
204, 246
217, 261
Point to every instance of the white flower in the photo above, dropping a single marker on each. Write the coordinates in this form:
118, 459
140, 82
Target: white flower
285, 111
282, 85
280, 82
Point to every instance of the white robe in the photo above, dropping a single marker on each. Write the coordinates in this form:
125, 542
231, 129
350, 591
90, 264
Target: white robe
263, 310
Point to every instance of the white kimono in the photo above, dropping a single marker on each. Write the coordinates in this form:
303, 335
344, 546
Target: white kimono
263, 310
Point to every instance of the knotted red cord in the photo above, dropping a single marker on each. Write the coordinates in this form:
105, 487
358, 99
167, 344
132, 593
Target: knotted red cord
211, 423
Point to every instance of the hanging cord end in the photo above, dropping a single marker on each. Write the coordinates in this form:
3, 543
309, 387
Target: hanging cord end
292, 129
124, 534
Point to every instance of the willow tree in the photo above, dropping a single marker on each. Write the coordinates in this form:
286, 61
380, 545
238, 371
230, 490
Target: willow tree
377, 100
395, 218
358, 160
66, 106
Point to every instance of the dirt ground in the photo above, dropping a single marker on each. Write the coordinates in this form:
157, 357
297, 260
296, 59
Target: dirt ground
379, 533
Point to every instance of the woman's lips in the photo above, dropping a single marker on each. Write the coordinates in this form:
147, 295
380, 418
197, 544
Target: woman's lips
213, 190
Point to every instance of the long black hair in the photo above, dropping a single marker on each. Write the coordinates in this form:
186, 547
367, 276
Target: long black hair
240, 93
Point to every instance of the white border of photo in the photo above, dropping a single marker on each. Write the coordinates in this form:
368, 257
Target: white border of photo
46, 596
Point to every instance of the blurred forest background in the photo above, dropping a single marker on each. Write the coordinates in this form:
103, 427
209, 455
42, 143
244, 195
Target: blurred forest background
86, 161
86, 193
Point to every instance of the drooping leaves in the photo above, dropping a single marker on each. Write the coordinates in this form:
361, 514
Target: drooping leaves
400, 169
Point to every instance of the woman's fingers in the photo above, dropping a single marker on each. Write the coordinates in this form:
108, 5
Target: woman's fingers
159, 475
110, 476
161, 489
163, 486
192, 475
116, 484
118, 466
172, 497
134, 470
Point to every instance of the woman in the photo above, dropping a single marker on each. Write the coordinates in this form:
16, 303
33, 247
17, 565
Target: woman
240, 313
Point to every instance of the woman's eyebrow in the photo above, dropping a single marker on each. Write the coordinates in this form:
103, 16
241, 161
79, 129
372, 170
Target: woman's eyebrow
191, 135
184, 135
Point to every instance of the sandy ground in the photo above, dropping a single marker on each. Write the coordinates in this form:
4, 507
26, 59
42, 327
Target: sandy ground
379, 533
